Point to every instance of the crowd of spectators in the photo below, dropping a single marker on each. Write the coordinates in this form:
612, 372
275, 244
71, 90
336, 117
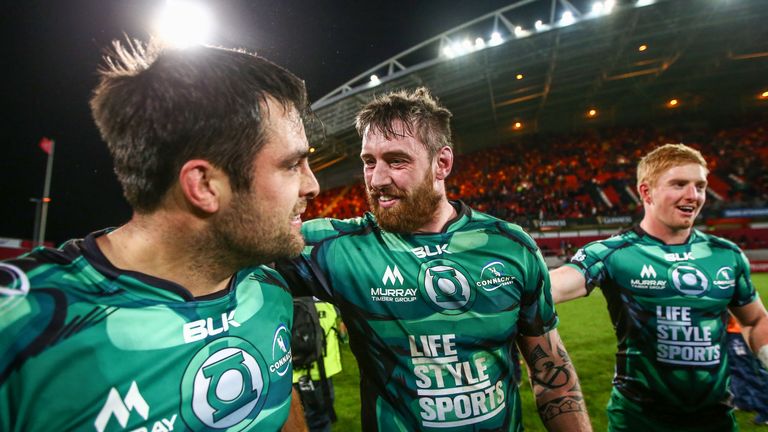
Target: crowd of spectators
587, 174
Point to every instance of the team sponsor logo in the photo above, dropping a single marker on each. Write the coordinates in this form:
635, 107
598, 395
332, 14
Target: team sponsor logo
13, 281
120, 408
224, 386
201, 329
391, 276
429, 251
680, 340
580, 256
281, 351
396, 293
451, 392
688, 279
724, 279
648, 279
445, 286
675, 257
493, 276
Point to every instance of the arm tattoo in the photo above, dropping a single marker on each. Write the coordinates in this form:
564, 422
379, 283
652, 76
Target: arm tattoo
563, 405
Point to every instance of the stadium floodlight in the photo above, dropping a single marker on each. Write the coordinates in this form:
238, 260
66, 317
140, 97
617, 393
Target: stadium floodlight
539, 25
597, 8
375, 80
567, 18
519, 32
519, 76
458, 49
608, 6
479, 43
466, 46
448, 52
182, 23
495, 39
641, 3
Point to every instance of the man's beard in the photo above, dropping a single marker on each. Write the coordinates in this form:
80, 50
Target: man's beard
244, 236
414, 209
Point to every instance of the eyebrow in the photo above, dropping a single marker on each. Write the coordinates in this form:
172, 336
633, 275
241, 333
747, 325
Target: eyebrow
390, 154
297, 155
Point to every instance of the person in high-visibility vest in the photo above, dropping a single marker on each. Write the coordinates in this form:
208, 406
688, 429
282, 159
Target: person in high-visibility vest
317, 394
749, 379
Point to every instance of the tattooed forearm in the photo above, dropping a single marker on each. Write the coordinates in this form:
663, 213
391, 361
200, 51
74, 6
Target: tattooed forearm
563, 405
555, 384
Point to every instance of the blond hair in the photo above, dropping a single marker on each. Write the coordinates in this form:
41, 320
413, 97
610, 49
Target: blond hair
655, 163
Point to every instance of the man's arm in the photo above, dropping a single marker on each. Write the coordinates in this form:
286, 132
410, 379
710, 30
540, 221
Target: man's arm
295, 421
554, 382
567, 284
754, 319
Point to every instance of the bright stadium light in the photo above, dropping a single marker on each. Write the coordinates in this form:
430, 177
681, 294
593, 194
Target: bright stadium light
567, 19
375, 80
458, 49
448, 52
479, 43
597, 8
495, 39
182, 23
519, 32
466, 45
608, 6
641, 3
539, 25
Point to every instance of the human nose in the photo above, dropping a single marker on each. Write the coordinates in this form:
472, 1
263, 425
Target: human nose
309, 186
692, 192
379, 176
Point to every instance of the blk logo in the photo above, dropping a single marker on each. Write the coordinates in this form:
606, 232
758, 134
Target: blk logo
648, 272
391, 275
674, 257
426, 251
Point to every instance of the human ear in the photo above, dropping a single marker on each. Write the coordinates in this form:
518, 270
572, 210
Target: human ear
203, 185
444, 162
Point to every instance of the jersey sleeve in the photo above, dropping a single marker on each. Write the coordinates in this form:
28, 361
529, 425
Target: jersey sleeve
537, 310
306, 274
589, 261
745, 292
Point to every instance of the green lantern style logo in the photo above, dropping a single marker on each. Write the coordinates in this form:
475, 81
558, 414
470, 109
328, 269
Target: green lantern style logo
445, 286
228, 385
688, 279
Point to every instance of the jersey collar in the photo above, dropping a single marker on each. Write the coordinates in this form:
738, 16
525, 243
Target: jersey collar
643, 233
141, 281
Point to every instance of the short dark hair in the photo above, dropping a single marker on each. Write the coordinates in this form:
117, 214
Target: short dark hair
418, 111
159, 107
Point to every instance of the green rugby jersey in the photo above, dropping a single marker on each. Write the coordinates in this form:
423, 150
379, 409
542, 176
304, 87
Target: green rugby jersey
85, 346
432, 318
668, 304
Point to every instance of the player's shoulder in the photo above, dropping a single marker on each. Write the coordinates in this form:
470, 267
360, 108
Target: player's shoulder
264, 275
715, 241
623, 239
33, 302
509, 230
322, 229
42, 267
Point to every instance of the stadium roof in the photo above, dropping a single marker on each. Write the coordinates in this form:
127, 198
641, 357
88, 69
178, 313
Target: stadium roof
626, 64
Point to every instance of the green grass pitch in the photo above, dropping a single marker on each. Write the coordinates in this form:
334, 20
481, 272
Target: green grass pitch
586, 330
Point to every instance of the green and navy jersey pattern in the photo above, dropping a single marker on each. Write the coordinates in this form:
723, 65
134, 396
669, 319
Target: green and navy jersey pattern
85, 346
432, 318
668, 304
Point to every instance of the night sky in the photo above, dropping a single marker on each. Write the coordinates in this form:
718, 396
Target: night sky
53, 49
